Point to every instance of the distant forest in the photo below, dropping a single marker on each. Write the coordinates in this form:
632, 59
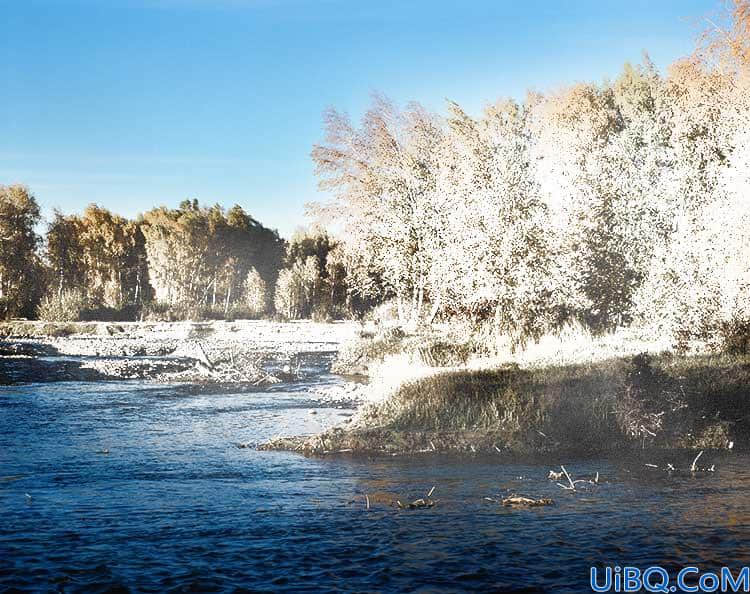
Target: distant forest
625, 202
191, 262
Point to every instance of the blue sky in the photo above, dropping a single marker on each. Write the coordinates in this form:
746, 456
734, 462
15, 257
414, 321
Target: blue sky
137, 103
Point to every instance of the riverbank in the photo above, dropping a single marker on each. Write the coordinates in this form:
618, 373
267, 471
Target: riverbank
583, 396
240, 352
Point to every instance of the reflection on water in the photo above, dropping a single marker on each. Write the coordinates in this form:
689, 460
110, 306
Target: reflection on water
175, 504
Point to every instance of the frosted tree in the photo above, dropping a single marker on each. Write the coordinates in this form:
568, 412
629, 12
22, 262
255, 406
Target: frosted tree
496, 257
382, 176
289, 296
699, 284
255, 293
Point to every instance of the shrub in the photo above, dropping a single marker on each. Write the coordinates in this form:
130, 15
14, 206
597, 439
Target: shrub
321, 313
126, 313
159, 311
64, 306
735, 336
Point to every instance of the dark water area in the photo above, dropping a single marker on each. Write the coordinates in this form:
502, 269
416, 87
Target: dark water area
176, 505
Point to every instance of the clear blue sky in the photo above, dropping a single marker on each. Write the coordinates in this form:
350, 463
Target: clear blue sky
136, 103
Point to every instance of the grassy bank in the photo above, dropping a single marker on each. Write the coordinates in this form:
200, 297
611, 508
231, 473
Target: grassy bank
589, 403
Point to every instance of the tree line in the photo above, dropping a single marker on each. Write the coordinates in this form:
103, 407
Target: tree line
187, 262
611, 204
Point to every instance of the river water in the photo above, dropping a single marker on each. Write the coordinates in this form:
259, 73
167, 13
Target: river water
176, 505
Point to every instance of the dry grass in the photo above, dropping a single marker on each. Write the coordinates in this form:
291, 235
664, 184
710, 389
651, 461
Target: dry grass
663, 400
556, 402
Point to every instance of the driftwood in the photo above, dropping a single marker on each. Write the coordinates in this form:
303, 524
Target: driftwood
416, 504
11, 478
203, 361
229, 370
521, 501
571, 486
670, 468
517, 500
422, 502
693, 467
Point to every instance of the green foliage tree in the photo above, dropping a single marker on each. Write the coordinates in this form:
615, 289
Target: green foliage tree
315, 283
200, 257
19, 262
65, 253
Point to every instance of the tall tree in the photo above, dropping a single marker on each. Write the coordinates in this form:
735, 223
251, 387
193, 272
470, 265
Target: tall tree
383, 179
19, 263
65, 253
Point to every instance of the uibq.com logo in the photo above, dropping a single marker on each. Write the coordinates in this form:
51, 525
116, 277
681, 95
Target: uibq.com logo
658, 579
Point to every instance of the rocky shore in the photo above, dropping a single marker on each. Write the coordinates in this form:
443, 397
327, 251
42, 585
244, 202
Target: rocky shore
242, 352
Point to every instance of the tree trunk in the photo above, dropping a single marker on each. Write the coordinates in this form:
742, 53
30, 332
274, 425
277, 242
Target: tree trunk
137, 285
119, 281
420, 299
435, 309
226, 302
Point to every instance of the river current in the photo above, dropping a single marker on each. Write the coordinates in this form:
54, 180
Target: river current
130, 486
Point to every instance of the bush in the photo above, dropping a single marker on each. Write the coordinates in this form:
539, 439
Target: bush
65, 306
179, 312
364, 354
172, 312
126, 313
735, 336
441, 353
360, 355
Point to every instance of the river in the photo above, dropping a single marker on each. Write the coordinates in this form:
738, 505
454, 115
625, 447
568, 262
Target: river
131, 486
